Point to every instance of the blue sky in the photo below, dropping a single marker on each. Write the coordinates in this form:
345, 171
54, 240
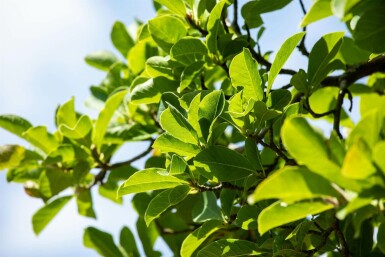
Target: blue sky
42, 46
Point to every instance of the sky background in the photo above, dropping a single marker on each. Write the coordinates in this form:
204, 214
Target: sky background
42, 49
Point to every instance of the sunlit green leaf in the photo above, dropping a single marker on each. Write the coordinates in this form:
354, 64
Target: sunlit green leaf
149, 179
167, 143
282, 56
176, 6
244, 73
293, 184
14, 124
44, 215
121, 39
230, 248
199, 236
166, 30
223, 164
105, 116
11, 156
319, 10
102, 60
280, 213
161, 202
101, 242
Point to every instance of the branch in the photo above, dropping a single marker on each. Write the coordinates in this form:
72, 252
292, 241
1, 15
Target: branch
341, 239
301, 47
314, 114
203, 188
128, 162
356, 73
196, 26
234, 24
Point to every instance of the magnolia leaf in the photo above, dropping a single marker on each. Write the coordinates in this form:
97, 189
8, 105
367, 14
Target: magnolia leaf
167, 143
282, 56
161, 202
230, 248
105, 116
44, 215
244, 73
102, 60
147, 180
14, 124
121, 38
199, 236
280, 213
319, 10
293, 184
176, 6
223, 164
101, 242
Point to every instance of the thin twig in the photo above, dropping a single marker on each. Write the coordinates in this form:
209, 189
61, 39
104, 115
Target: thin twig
234, 24
301, 46
128, 162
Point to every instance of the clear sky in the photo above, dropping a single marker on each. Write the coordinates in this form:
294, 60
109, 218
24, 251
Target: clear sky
42, 46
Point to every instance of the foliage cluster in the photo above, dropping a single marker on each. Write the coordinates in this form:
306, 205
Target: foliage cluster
235, 167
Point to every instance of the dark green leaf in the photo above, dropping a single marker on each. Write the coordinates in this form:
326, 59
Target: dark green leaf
101, 242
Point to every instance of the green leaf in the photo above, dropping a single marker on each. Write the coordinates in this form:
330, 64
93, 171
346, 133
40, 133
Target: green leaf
298, 137
44, 215
282, 56
66, 114
152, 90
147, 180
299, 81
39, 137
121, 38
279, 99
206, 208
252, 9
166, 30
319, 10
53, 181
369, 30
280, 213
178, 126
244, 73
323, 99
105, 116
127, 242
177, 166
293, 184
167, 143
176, 6
79, 130
357, 163
157, 66
210, 108
351, 54
101, 60
247, 217
199, 236
161, 202
14, 124
188, 50
381, 237
230, 248
138, 56
190, 73
223, 164
321, 56
378, 152
11, 156
216, 14
85, 205
101, 242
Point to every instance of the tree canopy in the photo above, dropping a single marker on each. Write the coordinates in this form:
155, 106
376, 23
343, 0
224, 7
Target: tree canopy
235, 164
